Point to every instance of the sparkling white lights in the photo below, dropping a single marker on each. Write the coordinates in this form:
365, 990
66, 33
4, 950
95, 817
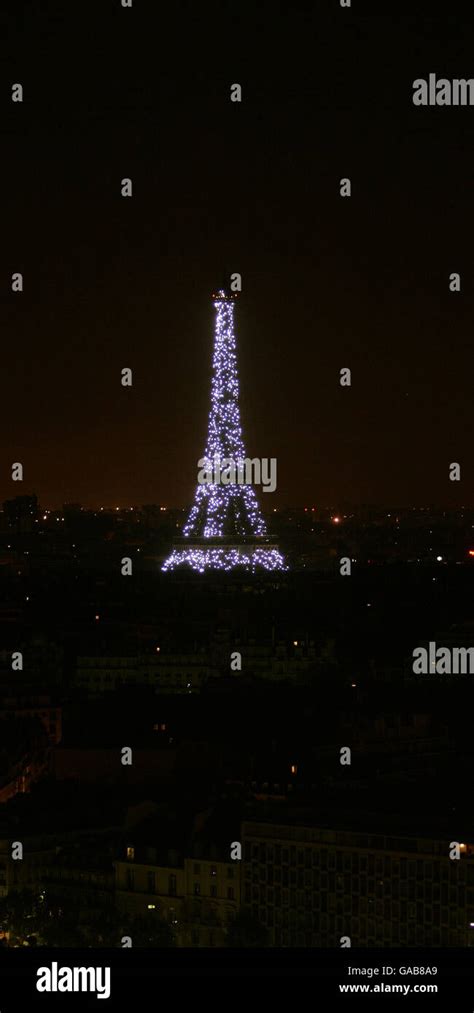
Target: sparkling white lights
232, 510
226, 558
225, 511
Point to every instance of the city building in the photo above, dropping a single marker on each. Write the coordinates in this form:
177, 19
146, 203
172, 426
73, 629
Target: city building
310, 886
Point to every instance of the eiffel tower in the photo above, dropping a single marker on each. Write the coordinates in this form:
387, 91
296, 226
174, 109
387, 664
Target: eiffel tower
225, 529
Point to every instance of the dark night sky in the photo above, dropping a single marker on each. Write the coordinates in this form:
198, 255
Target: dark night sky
222, 187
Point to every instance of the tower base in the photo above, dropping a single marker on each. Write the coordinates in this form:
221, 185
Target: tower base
208, 555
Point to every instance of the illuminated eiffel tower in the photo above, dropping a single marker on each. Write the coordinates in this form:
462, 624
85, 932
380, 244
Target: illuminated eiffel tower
225, 529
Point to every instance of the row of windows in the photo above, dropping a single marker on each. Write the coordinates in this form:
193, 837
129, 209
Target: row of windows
130, 851
346, 861
344, 839
213, 891
325, 901
294, 906
172, 885
451, 891
150, 882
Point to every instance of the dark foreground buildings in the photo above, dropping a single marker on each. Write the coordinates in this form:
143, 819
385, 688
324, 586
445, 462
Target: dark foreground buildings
315, 792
